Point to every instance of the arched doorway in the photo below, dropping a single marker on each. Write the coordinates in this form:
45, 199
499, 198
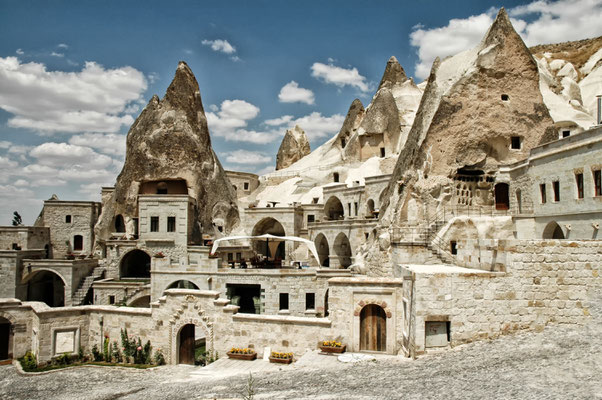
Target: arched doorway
273, 250
5, 339
119, 223
373, 328
186, 345
342, 249
323, 250
333, 209
502, 198
46, 286
135, 264
553, 231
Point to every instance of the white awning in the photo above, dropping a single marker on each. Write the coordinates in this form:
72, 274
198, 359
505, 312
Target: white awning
268, 237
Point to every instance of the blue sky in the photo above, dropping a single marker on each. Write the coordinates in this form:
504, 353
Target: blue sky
75, 74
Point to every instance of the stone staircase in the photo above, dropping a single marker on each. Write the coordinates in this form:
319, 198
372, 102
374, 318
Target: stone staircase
86, 284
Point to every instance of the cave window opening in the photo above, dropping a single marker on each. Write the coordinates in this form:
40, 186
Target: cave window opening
343, 143
382, 152
515, 143
335, 176
505, 97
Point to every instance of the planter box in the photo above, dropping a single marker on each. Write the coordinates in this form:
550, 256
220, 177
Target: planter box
328, 349
281, 360
240, 356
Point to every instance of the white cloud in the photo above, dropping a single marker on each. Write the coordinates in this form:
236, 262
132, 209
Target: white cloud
279, 121
220, 45
108, 143
55, 54
4, 144
317, 126
90, 190
63, 155
246, 157
19, 149
552, 22
21, 182
62, 46
5, 162
292, 93
93, 99
339, 76
20, 52
231, 117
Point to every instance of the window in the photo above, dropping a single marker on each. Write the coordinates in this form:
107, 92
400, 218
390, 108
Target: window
349, 209
154, 225
171, 224
542, 190
453, 247
310, 301
78, 243
311, 218
566, 133
283, 301
238, 256
355, 208
16, 246
343, 142
515, 142
366, 235
111, 299
230, 256
400, 188
556, 188
505, 97
579, 181
597, 182
335, 176
246, 185
382, 151
67, 219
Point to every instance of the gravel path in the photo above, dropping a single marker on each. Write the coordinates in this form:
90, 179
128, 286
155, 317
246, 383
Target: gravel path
560, 363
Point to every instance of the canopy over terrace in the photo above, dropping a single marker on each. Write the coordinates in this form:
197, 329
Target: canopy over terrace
268, 238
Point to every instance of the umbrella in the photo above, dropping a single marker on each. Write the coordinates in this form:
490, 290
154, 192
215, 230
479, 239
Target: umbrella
267, 236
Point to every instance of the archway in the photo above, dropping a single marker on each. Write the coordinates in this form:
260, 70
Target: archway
342, 249
183, 284
5, 339
135, 264
370, 208
271, 250
333, 209
553, 231
373, 328
46, 286
141, 302
502, 198
119, 223
186, 345
323, 250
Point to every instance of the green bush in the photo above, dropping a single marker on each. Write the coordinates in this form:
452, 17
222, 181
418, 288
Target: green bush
96, 354
29, 362
159, 358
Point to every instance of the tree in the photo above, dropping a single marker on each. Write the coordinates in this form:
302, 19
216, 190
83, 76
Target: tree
17, 220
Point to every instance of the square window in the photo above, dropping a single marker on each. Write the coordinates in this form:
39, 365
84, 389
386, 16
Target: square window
515, 142
154, 224
311, 218
283, 301
335, 176
382, 151
556, 187
566, 134
171, 224
579, 182
542, 191
246, 185
505, 97
310, 301
238, 257
230, 256
111, 299
68, 219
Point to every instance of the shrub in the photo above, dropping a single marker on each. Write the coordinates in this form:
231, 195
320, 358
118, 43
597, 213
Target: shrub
115, 352
29, 362
96, 354
106, 349
159, 358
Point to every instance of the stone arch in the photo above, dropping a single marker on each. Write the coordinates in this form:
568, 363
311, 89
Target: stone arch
189, 313
47, 286
342, 249
333, 209
273, 227
553, 231
370, 208
182, 284
119, 224
135, 264
323, 249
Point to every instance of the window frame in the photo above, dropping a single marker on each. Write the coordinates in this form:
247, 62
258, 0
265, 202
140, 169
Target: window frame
154, 223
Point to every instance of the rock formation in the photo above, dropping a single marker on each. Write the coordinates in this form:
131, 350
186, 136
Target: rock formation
169, 144
294, 146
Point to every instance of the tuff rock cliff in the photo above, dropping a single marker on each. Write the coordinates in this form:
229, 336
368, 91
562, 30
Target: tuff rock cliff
169, 142
294, 146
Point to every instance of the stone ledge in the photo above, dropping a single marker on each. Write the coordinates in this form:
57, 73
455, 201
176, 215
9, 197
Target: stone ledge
282, 319
366, 281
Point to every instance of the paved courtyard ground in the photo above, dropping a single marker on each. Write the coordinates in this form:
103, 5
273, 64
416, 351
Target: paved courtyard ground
562, 362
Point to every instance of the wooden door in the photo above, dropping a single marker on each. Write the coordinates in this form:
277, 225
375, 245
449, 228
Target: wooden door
502, 198
4, 341
186, 351
373, 328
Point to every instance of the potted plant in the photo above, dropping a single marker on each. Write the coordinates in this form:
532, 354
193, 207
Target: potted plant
331, 346
237, 353
281, 358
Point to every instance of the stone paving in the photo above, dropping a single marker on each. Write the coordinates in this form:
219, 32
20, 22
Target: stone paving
563, 361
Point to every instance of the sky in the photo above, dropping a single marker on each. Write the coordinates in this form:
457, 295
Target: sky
74, 75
